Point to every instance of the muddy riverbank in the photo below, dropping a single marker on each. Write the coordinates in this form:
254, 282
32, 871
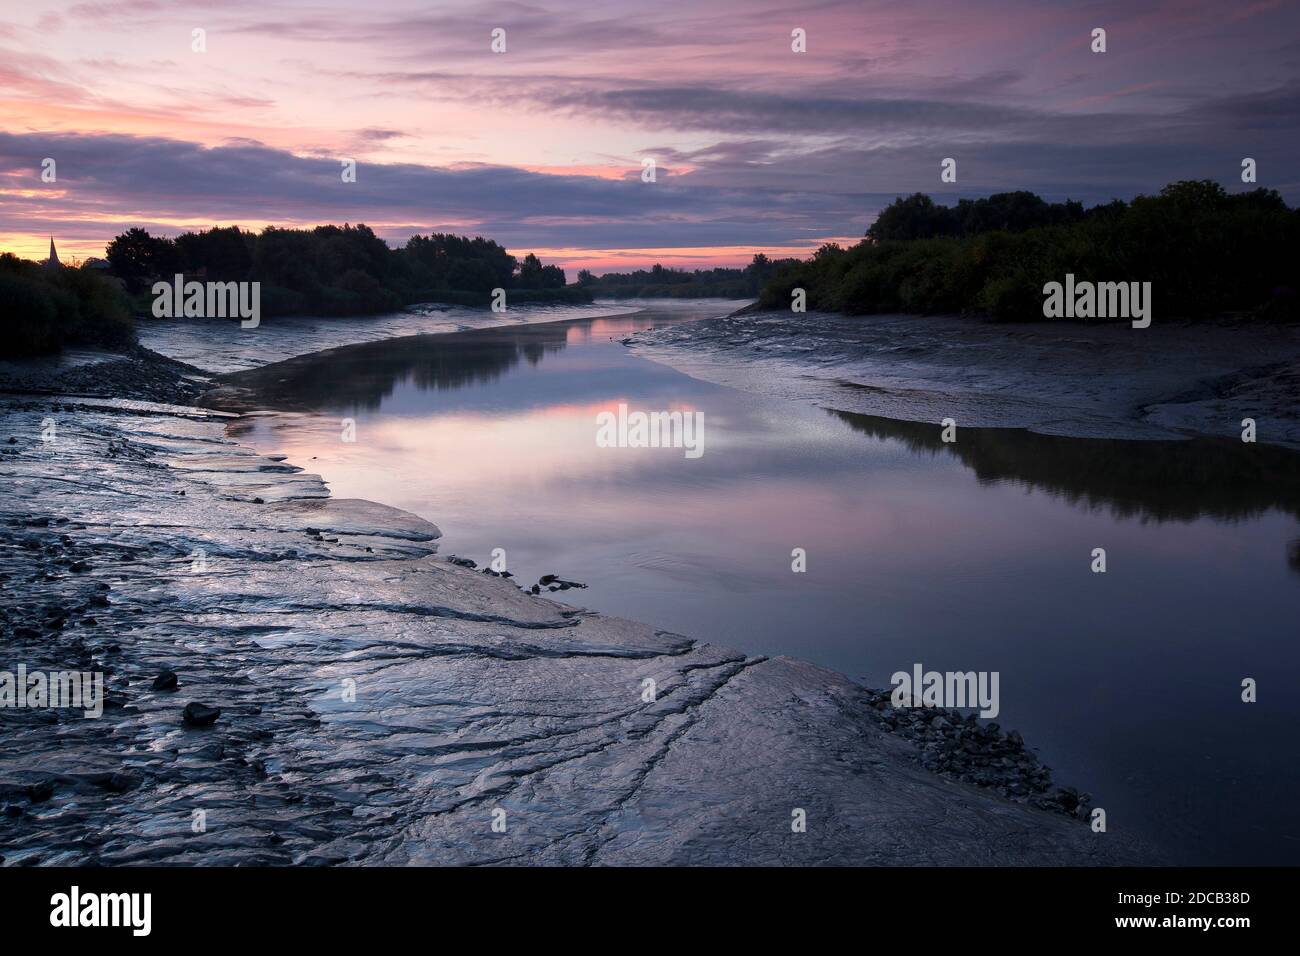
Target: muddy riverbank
381, 704
1170, 381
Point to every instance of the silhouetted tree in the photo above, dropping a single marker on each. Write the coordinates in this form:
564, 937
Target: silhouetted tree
332, 270
1206, 251
220, 254
137, 258
919, 217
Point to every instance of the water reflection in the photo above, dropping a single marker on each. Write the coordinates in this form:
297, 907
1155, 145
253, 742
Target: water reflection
362, 376
1150, 480
962, 556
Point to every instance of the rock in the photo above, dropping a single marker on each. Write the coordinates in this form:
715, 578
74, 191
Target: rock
166, 681
939, 723
200, 715
1066, 798
119, 782
13, 810
40, 792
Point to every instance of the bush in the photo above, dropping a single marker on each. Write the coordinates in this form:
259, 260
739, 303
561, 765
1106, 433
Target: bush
1204, 252
277, 300
42, 310
332, 270
29, 316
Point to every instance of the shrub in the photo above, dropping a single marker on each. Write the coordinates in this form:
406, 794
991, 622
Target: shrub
1204, 251
42, 310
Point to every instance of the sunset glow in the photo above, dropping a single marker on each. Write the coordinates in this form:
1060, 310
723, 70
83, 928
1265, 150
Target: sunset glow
757, 148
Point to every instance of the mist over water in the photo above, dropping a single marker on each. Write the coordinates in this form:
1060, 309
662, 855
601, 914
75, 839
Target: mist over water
966, 556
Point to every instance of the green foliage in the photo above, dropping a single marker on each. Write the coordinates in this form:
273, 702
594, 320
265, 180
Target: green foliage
334, 270
534, 275
446, 262
919, 217
1205, 252
277, 300
218, 255
658, 282
42, 310
137, 258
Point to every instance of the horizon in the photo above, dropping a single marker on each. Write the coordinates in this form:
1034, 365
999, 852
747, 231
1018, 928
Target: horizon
75, 258
757, 148
846, 434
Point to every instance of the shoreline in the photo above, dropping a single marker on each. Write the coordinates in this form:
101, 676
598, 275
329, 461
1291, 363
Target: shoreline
824, 746
1173, 381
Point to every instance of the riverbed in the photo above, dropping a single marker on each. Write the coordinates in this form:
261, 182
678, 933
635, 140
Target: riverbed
968, 555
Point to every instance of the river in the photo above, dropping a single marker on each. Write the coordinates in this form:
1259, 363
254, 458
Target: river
970, 555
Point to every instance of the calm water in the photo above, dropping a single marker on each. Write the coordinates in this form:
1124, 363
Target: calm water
972, 556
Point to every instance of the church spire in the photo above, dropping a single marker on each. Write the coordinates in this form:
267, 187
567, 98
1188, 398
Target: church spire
53, 261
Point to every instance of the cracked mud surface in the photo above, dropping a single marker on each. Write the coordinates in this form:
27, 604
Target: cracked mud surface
470, 695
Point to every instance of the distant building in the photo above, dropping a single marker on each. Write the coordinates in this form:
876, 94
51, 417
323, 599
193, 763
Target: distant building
53, 261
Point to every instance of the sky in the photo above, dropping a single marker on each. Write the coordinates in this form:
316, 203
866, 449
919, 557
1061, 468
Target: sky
756, 147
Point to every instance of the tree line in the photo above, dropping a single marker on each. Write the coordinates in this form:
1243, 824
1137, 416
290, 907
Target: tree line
42, 310
328, 270
661, 282
332, 270
1205, 251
